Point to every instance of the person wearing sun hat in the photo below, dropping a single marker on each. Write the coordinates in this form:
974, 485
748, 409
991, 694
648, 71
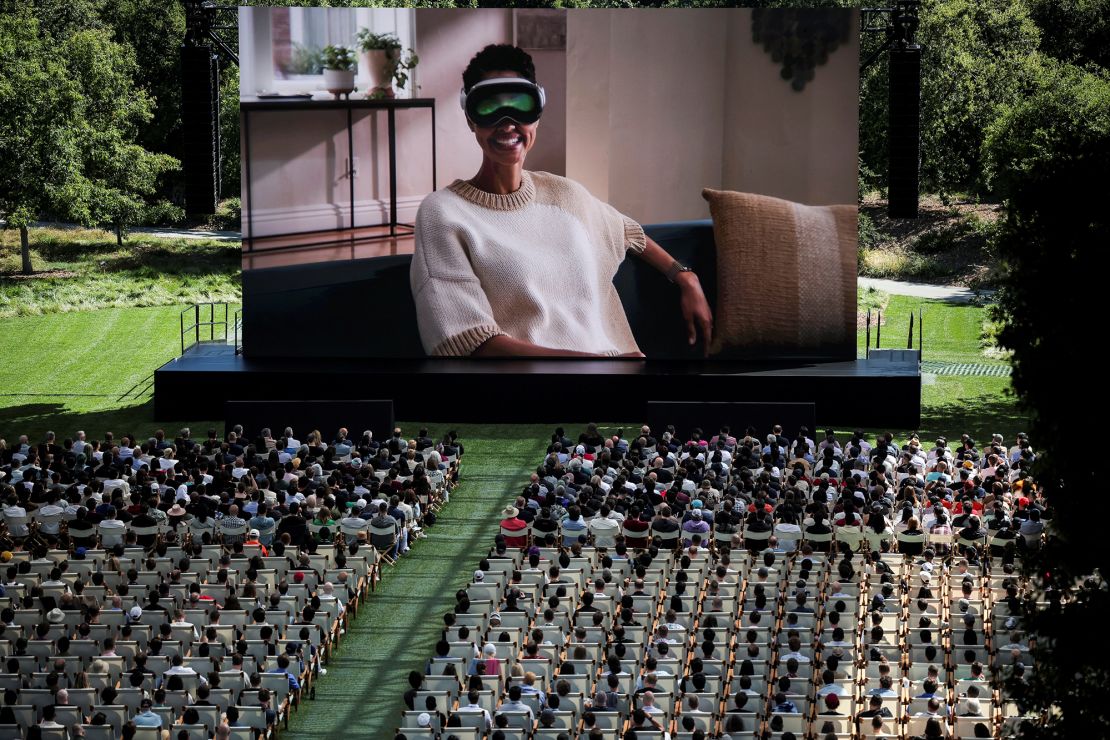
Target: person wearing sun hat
511, 523
176, 513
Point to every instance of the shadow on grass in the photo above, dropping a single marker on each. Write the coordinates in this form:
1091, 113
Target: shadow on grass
35, 419
979, 416
147, 258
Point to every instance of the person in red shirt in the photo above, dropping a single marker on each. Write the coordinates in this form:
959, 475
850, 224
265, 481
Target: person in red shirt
252, 541
636, 523
511, 522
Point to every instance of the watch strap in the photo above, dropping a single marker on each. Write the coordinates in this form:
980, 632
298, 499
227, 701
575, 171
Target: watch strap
676, 268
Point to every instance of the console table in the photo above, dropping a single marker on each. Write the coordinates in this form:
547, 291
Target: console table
249, 105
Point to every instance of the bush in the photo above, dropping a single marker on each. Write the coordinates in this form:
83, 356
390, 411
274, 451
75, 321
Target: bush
868, 235
163, 213
1076, 31
1049, 156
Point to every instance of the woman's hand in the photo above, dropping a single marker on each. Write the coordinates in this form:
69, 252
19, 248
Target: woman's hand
695, 309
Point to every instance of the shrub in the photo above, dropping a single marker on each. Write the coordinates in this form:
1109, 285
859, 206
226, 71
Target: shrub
1049, 156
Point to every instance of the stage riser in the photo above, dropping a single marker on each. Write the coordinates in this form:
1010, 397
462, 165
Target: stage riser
860, 393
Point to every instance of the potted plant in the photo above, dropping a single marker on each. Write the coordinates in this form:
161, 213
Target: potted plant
339, 69
384, 62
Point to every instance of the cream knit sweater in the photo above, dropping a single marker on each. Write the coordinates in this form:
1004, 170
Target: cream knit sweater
536, 264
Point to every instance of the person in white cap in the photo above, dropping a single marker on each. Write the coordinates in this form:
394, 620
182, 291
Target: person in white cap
253, 541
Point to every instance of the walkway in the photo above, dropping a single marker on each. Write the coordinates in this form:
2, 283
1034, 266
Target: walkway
952, 293
397, 628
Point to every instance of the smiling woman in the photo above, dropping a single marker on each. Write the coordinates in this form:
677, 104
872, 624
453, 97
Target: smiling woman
519, 263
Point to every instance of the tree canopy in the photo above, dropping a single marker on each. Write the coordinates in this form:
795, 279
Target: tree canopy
72, 114
1048, 155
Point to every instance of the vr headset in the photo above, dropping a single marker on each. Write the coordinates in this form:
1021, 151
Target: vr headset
491, 101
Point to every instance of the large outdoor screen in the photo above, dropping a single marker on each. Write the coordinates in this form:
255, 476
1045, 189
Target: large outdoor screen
668, 184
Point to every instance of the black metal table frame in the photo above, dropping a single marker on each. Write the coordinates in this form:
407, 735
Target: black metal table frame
390, 105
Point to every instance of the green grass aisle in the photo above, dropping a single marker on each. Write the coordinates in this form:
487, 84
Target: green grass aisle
397, 627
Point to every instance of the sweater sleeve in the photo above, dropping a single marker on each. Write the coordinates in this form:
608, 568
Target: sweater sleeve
624, 233
634, 238
452, 311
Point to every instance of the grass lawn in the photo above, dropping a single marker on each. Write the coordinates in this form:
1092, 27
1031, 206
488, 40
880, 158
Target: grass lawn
84, 270
90, 370
979, 405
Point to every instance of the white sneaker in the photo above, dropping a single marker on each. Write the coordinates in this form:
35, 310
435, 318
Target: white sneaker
323, 671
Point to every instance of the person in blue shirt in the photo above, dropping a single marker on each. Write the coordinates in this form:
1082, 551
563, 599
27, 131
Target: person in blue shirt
573, 526
784, 705
283, 667
146, 717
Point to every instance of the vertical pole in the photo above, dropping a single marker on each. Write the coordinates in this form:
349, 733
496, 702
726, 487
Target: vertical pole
351, 158
879, 330
196, 323
392, 171
904, 129
867, 339
200, 163
249, 205
433, 144
909, 340
921, 331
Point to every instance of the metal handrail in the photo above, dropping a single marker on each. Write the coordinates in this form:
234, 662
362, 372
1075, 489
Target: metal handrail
195, 327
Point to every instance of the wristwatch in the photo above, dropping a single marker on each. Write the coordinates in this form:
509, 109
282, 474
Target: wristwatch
676, 268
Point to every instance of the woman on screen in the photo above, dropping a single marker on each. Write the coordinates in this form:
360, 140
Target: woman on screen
519, 263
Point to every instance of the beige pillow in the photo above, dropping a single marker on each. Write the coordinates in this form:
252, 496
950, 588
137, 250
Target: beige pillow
786, 276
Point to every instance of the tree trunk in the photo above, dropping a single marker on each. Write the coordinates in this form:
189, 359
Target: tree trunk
119, 235
25, 250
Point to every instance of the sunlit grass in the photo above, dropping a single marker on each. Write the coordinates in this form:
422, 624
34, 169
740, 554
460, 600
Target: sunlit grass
84, 270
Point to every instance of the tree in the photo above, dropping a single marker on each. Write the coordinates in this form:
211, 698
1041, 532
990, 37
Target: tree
38, 103
116, 172
1048, 155
69, 117
976, 56
1076, 31
154, 30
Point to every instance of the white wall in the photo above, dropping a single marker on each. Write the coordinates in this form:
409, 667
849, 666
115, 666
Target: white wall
665, 102
802, 146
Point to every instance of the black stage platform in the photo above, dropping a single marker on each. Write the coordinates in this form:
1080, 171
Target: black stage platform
882, 391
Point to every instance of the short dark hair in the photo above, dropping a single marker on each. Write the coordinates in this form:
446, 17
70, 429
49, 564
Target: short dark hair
498, 56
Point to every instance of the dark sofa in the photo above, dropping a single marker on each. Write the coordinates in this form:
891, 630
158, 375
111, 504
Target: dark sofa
364, 308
